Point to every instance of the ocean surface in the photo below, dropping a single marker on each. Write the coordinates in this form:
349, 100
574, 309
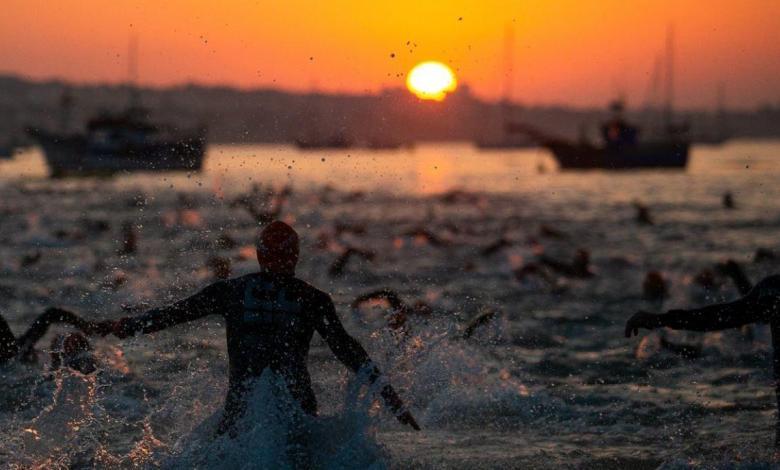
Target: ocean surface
550, 382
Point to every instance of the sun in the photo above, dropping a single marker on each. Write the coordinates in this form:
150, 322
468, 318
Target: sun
431, 80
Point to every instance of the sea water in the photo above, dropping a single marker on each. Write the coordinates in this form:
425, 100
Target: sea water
550, 381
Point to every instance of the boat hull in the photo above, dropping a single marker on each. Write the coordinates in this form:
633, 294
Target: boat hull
72, 156
642, 156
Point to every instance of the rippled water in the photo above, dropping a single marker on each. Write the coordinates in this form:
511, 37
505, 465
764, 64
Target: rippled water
551, 381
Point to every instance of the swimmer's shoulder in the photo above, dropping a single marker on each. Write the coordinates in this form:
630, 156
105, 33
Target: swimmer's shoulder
309, 294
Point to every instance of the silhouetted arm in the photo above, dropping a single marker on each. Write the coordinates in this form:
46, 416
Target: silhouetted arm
715, 317
349, 351
41, 325
758, 306
211, 299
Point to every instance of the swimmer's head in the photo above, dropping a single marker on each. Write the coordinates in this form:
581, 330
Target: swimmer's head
73, 351
277, 248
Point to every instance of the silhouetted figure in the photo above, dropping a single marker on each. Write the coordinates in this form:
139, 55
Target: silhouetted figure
534, 269
337, 268
341, 228
30, 259
578, 268
728, 200
270, 318
129, 239
426, 236
495, 247
401, 310
643, 216
760, 305
550, 232
654, 287
479, 321
264, 206
74, 350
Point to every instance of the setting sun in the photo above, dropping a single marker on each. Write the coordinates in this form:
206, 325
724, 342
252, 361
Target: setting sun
431, 80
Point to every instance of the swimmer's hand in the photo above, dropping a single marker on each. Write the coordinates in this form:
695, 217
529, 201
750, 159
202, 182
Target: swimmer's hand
119, 328
407, 419
641, 320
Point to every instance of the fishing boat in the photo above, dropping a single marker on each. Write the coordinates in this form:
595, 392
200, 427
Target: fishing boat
124, 141
623, 146
121, 142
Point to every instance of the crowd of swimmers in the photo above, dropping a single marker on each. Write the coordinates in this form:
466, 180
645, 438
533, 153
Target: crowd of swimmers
271, 315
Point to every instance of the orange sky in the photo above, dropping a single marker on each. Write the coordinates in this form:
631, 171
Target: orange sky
567, 51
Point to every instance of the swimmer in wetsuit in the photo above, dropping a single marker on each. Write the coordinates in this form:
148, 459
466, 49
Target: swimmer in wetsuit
71, 350
270, 318
760, 305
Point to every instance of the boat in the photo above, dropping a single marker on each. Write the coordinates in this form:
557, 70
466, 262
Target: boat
315, 142
621, 148
124, 141
661, 154
121, 142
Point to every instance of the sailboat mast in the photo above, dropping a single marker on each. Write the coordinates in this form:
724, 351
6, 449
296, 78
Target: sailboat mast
669, 75
132, 71
506, 100
509, 40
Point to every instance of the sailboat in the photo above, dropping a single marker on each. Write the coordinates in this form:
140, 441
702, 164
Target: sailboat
117, 142
622, 146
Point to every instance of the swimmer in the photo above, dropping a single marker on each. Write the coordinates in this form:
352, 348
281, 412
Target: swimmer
337, 268
401, 311
71, 350
760, 305
270, 318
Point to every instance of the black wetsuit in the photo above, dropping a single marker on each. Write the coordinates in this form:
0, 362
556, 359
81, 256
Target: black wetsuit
12, 347
270, 320
760, 305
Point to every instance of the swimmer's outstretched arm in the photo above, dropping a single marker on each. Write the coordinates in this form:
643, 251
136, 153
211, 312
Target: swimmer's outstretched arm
211, 299
41, 324
349, 351
749, 309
